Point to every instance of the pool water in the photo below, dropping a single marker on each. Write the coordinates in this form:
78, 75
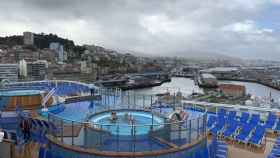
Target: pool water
143, 122
75, 111
78, 111
52, 109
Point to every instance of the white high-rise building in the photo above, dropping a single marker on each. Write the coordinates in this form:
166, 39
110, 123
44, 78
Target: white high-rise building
59, 49
61, 53
83, 66
23, 68
65, 56
28, 38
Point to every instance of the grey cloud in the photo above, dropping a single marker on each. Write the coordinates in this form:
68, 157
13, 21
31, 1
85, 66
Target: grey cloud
173, 25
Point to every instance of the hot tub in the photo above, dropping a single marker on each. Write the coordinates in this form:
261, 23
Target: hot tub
138, 122
26, 99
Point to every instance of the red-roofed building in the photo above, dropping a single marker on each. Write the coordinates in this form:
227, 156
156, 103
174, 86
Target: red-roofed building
233, 90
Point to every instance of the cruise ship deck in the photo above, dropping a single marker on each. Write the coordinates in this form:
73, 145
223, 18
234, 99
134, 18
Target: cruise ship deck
80, 120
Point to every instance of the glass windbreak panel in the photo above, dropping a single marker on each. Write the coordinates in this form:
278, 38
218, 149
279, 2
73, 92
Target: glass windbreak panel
123, 128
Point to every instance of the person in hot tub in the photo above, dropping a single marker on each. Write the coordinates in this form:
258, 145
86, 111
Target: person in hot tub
184, 115
126, 116
114, 116
131, 119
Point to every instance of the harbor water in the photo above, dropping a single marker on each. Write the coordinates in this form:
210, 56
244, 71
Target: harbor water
187, 86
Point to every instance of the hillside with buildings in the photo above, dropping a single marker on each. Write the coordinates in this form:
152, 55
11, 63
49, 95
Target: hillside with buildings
47, 56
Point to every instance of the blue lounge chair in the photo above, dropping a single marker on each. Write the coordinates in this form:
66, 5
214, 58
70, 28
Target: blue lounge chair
231, 116
270, 121
218, 126
258, 135
255, 119
211, 121
222, 112
244, 117
277, 128
244, 133
230, 130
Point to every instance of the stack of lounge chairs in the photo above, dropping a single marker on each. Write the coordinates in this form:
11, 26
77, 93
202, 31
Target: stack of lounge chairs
39, 130
275, 152
222, 150
218, 149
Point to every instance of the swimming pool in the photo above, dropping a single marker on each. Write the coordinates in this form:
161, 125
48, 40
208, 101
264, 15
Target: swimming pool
142, 122
20, 93
78, 111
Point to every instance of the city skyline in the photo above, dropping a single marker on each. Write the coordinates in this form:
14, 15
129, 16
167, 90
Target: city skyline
244, 29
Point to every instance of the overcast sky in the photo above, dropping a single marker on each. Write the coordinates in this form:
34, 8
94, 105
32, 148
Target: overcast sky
240, 28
